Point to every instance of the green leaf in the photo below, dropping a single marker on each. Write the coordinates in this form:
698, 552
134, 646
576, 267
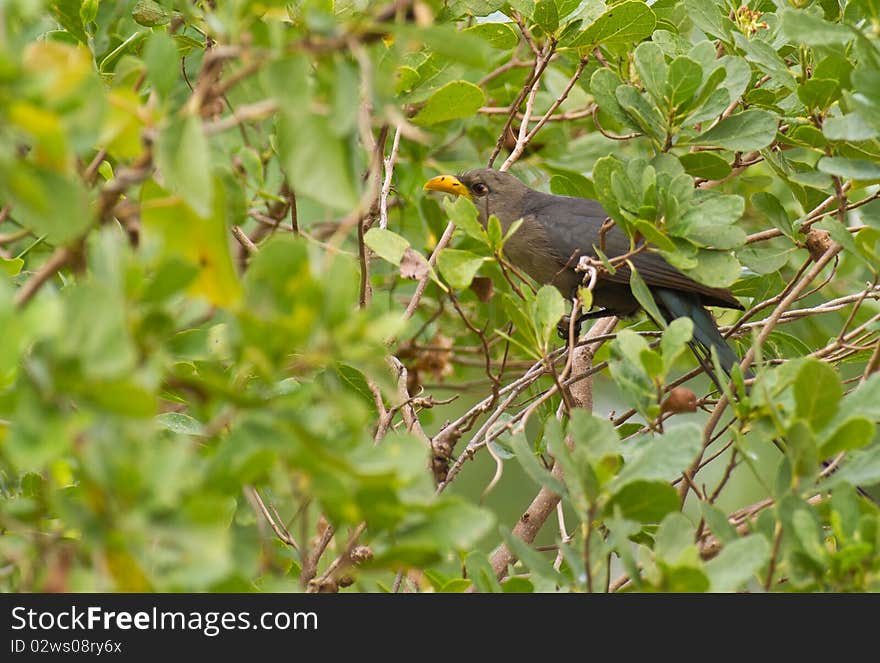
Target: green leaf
178, 422
537, 563
549, 309
769, 206
718, 523
861, 468
651, 66
818, 93
717, 269
737, 563
96, 331
498, 35
67, 13
448, 42
652, 234
525, 454
817, 392
184, 157
861, 402
710, 222
802, 450
451, 523
11, 266
455, 586
662, 457
674, 539
805, 28
459, 267
546, 16
623, 23
603, 85
386, 244
683, 579
746, 131
571, 184
318, 168
849, 127
640, 112
685, 78
707, 16
644, 297
851, 169
706, 165
594, 434
674, 341
481, 573
765, 57
481, 7
767, 257
455, 100
652, 362
517, 585
201, 241
46, 202
287, 80
462, 212
160, 56
645, 501
854, 433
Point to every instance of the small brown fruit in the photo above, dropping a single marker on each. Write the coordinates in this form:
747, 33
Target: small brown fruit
680, 399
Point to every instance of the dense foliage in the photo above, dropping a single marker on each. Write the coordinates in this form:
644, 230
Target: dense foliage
231, 320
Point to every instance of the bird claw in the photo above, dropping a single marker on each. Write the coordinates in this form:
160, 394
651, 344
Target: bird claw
563, 325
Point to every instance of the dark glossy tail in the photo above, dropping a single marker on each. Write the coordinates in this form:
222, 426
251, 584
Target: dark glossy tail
676, 304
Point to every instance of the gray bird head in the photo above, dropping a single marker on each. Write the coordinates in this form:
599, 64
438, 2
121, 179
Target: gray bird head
492, 192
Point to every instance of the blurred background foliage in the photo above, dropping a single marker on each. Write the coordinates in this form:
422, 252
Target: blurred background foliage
226, 361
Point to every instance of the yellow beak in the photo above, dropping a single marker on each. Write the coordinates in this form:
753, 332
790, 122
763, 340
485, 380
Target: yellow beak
447, 184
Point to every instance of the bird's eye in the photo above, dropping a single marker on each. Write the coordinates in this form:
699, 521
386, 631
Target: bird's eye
479, 189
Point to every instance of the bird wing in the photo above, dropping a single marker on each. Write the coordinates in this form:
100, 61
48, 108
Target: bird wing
572, 226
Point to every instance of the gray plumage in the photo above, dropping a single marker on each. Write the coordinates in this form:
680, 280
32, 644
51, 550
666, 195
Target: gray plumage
557, 230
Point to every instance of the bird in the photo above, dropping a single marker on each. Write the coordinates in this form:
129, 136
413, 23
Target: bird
556, 231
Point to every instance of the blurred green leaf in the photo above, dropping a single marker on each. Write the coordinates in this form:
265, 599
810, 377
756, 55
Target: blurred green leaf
386, 244
549, 309
184, 157
202, 241
499, 35
674, 341
852, 169
317, 168
849, 127
645, 501
661, 457
817, 392
455, 100
737, 562
810, 30
854, 433
459, 267
178, 422
160, 56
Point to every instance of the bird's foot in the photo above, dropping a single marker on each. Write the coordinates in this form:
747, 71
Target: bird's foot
564, 323
564, 326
